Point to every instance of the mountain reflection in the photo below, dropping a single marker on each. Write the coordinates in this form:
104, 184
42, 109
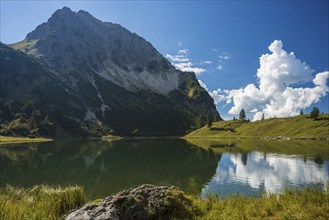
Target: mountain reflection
256, 172
104, 168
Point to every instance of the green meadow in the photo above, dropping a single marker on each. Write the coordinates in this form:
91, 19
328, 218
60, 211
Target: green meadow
299, 127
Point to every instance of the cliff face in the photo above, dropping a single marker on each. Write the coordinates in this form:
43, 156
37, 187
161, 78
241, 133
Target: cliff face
117, 81
79, 42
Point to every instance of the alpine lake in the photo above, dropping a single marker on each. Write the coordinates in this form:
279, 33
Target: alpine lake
200, 167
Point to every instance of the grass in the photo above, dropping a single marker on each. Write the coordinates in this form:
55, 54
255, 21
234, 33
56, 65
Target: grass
309, 203
23, 44
10, 140
299, 127
44, 202
39, 202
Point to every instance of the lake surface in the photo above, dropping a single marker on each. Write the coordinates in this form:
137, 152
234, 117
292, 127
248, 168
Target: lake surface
199, 167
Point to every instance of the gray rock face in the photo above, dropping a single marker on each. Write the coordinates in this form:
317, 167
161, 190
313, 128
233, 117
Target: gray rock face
144, 202
76, 41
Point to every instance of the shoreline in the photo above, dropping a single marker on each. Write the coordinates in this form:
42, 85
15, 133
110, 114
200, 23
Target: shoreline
19, 140
139, 138
279, 138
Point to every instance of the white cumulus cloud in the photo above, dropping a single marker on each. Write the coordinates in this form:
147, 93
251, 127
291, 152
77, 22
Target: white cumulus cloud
218, 95
277, 94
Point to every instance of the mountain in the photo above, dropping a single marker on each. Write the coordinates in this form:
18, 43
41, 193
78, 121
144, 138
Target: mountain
88, 77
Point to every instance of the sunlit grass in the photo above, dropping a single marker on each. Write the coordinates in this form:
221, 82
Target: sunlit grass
39, 202
10, 140
299, 127
309, 203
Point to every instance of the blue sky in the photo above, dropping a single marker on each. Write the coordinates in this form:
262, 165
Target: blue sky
225, 39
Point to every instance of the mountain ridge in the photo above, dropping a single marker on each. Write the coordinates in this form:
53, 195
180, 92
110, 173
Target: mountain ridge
66, 30
119, 83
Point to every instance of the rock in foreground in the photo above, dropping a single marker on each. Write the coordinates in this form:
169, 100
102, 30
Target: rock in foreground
143, 202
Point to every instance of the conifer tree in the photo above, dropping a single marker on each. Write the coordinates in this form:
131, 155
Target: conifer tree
242, 115
209, 121
315, 112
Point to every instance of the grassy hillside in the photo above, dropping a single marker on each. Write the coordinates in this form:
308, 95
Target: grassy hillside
294, 127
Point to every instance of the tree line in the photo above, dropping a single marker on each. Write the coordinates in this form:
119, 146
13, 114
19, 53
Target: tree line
313, 114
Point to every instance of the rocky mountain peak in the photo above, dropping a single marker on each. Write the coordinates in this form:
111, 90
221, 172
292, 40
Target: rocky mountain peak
65, 11
77, 40
86, 14
59, 17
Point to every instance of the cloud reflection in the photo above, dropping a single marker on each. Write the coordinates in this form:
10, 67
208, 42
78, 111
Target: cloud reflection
256, 172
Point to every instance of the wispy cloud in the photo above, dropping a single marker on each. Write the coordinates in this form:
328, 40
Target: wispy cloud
177, 58
220, 67
182, 62
206, 62
223, 57
183, 51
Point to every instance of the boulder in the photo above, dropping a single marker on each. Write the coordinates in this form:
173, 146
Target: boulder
144, 202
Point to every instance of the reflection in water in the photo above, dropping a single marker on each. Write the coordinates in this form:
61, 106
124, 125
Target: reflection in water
104, 168
256, 172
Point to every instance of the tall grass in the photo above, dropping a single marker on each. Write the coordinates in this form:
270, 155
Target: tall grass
309, 203
44, 202
39, 202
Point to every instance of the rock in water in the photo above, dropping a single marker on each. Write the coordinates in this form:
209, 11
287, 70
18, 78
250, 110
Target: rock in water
144, 202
